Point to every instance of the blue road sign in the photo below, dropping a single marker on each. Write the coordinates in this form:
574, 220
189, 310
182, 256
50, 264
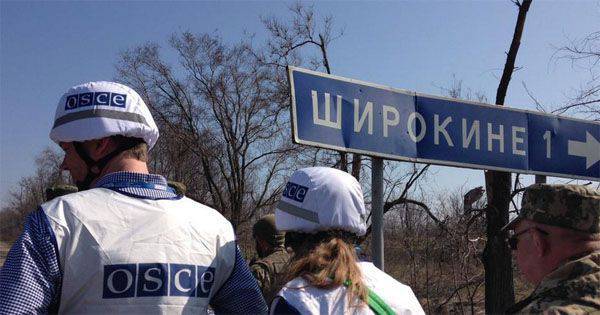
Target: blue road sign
348, 115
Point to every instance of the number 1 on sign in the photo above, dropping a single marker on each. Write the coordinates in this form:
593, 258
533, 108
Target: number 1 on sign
547, 138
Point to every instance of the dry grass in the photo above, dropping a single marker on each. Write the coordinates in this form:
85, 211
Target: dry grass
4, 248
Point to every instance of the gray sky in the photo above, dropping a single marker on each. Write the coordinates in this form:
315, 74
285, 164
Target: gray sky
47, 47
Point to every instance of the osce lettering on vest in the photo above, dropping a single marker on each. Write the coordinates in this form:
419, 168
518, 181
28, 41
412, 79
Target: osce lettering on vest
156, 279
95, 99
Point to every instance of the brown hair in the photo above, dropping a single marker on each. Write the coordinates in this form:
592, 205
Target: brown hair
137, 148
327, 260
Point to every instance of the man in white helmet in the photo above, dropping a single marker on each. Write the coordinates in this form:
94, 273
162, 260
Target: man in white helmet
126, 242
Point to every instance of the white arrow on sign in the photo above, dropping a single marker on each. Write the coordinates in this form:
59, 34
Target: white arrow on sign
590, 149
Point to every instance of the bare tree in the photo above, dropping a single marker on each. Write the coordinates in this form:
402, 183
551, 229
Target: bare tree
29, 193
456, 90
464, 246
499, 287
223, 110
583, 53
441, 263
398, 184
287, 39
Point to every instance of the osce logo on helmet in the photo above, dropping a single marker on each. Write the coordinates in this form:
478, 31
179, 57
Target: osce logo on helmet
295, 191
95, 99
157, 279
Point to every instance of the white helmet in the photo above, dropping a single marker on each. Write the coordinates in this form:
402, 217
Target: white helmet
101, 109
319, 199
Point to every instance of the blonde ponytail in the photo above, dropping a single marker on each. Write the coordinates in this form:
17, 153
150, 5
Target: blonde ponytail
327, 260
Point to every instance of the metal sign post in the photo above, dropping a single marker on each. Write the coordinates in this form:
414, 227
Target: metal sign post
377, 212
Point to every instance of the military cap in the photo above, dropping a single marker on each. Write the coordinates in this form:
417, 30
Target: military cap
266, 230
572, 207
59, 190
179, 188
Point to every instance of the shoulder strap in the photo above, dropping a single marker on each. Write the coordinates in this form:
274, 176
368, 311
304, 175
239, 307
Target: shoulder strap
376, 303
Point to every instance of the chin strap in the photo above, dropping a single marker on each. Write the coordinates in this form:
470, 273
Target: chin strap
95, 168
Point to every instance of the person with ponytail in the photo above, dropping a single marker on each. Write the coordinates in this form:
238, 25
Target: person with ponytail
323, 212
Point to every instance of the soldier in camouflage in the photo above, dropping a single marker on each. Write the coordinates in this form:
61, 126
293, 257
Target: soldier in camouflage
556, 242
272, 261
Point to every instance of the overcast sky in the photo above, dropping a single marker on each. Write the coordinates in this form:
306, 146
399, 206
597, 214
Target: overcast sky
47, 47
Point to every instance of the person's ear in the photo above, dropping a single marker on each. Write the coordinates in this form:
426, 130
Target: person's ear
540, 243
105, 145
100, 147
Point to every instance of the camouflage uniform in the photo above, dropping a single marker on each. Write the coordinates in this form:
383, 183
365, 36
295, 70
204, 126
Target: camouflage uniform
573, 287
269, 270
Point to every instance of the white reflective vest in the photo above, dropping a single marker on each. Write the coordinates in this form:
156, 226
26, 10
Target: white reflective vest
124, 255
310, 300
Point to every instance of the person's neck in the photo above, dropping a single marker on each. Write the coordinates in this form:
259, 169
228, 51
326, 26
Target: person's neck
579, 250
120, 164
